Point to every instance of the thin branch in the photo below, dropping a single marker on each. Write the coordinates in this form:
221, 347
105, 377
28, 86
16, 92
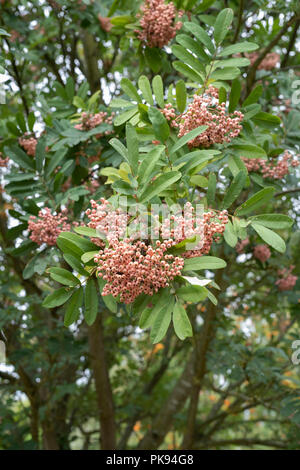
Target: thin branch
288, 191
291, 44
240, 21
246, 442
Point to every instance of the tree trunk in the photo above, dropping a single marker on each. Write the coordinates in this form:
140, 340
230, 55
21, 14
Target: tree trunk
103, 387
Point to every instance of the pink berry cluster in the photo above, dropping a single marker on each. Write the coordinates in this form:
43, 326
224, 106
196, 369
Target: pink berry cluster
262, 253
158, 23
205, 110
110, 223
286, 280
29, 144
208, 227
89, 121
273, 170
240, 246
268, 63
131, 266
131, 269
3, 161
47, 227
92, 185
170, 114
105, 23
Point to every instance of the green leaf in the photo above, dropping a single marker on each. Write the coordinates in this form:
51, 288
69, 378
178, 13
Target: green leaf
20, 157
126, 116
40, 154
222, 24
270, 237
227, 73
37, 264
230, 235
63, 276
159, 123
120, 148
234, 189
55, 160
181, 322
201, 35
199, 180
203, 262
181, 95
108, 300
57, 298
188, 72
73, 306
91, 302
254, 96
130, 90
148, 163
158, 89
257, 200
186, 138
86, 257
122, 187
234, 95
187, 58
236, 165
192, 293
211, 189
234, 62
75, 264
25, 247
89, 232
273, 221
153, 58
133, 147
238, 48
249, 151
160, 184
145, 87
162, 322
188, 43
266, 120
82, 243
159, 301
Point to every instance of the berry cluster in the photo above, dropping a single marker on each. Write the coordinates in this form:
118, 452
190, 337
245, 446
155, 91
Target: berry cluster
262, 253
47, 227
206, 227
131, 266
158, 23
240, 246
205, 110
273, 170
110, 223
89, 121
29, 144
131, 269
3, 161
286, 280
170, 114
268, 63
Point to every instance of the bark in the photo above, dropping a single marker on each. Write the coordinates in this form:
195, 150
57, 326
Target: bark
91, 54
103, 387
164, 420
206, 335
